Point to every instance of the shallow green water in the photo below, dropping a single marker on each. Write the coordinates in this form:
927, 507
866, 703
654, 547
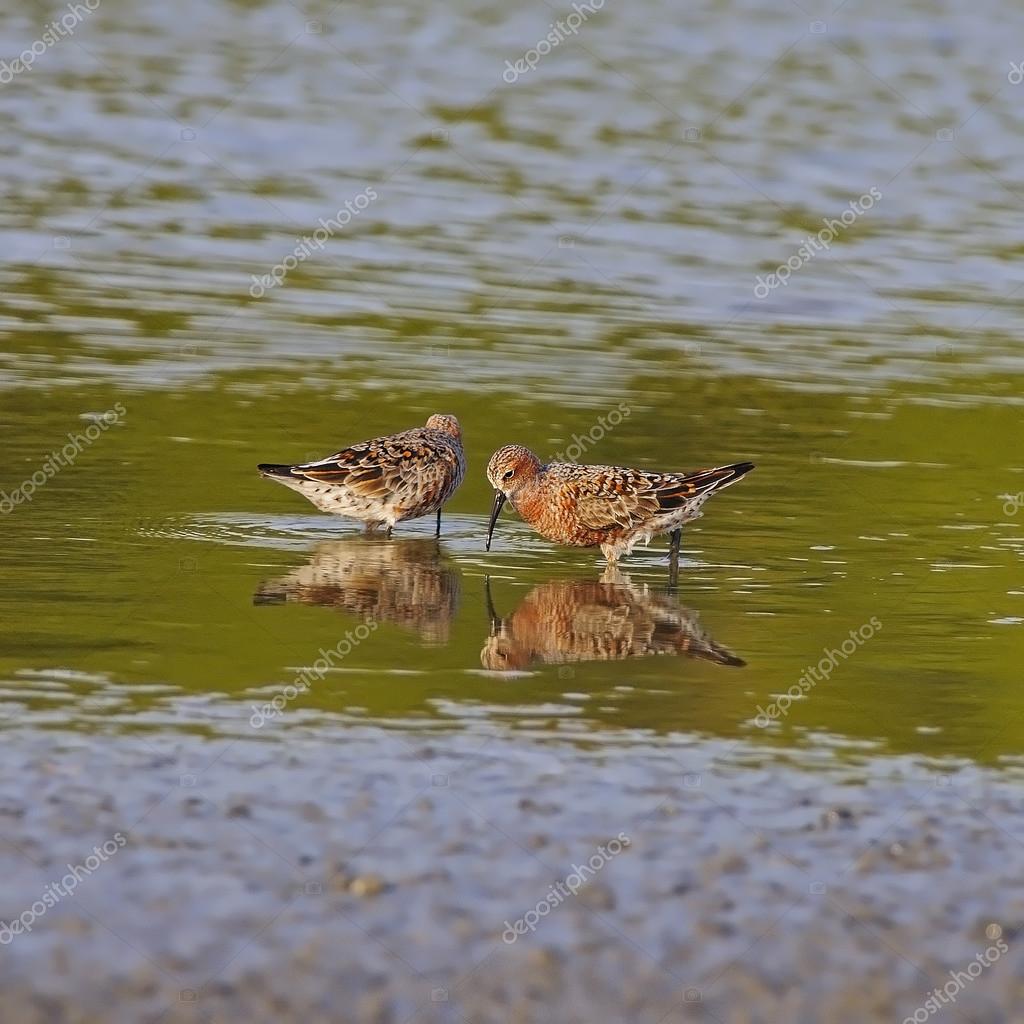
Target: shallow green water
537, 254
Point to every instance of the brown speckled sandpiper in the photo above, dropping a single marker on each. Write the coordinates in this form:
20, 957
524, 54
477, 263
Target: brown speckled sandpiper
608, 506
384, 481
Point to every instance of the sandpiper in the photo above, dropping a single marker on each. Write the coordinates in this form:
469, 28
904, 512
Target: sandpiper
384, 481
607, 506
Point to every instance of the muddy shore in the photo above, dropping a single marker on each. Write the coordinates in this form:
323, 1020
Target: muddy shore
351, 873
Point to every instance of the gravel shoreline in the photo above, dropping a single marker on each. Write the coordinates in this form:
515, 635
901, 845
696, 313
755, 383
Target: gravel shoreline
353, 873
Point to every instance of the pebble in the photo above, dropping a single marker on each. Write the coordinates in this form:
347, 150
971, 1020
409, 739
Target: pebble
366, 885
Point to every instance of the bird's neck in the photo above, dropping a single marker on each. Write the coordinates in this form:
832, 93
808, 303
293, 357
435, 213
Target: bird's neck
528, 501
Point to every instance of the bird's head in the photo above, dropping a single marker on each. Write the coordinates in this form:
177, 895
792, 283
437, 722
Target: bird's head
446, 423
510, 470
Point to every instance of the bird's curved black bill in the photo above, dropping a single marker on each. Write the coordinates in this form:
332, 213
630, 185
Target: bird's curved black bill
499, 504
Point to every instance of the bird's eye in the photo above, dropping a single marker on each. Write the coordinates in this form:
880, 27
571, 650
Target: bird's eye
508, 476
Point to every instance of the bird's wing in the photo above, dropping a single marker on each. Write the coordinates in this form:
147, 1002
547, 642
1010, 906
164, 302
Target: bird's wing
381, 467
674, 490
612, 496
609, 497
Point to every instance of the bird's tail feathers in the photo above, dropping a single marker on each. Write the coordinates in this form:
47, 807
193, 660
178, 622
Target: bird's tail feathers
707, 480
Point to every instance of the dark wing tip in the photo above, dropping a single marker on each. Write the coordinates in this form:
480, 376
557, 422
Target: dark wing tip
679, 490
713, 479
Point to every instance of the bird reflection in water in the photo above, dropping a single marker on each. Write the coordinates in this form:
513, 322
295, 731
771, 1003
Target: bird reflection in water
403, 582
595, 620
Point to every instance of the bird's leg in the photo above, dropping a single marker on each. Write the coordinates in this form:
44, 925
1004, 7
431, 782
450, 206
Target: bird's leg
673, 548
387, 535
673, 558
437, 532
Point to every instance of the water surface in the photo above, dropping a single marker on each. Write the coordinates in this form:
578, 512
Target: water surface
539, 252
